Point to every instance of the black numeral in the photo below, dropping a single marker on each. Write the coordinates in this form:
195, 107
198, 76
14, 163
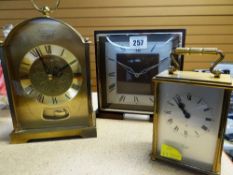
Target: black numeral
111, 87
199, 101
67, 96
75, 86
170, 121
112, 74
48, 49
36, 52
122, 98
205, 128
189, 96
72, 62
208, 119
40, 98
136, 99
62, 52
29, 89
54, 99
206, 109
176, 129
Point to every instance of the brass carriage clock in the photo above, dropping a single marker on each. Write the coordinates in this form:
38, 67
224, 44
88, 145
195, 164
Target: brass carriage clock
190, 114
46, 67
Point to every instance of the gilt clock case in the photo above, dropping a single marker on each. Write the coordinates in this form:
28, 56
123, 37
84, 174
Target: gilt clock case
126, 61
46, 68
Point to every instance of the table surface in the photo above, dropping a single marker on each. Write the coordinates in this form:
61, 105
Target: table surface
121, 148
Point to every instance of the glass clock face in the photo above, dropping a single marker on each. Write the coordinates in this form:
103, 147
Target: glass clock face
189, 121
51, 74
128, 61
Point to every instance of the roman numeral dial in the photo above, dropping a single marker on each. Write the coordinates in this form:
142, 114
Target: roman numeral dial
50, 74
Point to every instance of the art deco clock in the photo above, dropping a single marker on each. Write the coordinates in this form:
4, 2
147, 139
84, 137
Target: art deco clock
190, 115
126, 62
46, 68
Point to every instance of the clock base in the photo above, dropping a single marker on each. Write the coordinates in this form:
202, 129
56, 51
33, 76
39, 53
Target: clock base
114, 115
50, 134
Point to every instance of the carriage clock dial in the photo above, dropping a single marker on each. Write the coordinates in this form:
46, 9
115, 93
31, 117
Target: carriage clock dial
127, 61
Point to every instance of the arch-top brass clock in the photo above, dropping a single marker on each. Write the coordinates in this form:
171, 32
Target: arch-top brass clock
46, 68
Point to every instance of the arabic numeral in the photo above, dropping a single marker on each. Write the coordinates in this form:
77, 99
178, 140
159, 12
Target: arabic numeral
138, 42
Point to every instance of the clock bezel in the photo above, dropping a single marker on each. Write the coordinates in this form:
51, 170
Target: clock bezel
117, 112
216, 168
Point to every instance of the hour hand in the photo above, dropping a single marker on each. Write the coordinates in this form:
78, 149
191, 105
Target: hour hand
181, 105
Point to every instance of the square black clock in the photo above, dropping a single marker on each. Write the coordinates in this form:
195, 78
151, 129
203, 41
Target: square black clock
126, 62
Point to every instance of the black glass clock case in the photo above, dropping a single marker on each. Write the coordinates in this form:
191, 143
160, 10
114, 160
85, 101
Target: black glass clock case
126, 61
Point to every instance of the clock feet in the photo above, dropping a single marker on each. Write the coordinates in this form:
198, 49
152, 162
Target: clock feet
51, 134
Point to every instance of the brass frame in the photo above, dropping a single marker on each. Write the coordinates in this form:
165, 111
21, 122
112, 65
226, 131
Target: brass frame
226, 100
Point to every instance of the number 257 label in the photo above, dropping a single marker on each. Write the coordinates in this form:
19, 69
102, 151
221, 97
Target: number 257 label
138, 42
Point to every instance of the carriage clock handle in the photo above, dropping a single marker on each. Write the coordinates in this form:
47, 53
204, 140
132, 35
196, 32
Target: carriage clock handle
45, 10
184, 50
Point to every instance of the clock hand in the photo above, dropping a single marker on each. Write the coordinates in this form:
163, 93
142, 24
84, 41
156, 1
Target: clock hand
181, 105
152, 67
127, 68
42, 61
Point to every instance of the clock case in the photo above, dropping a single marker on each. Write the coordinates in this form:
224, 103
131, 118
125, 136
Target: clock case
211, 80
81, 120
109, 111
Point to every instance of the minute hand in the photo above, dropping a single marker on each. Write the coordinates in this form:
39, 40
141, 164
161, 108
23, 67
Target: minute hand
152, 67
127, 68
181, 105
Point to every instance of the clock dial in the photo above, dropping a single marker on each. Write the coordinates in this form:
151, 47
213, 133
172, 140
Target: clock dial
51, 74
126, 62
129, 72
189, 120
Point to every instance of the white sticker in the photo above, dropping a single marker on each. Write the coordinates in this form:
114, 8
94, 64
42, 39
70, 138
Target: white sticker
138, 42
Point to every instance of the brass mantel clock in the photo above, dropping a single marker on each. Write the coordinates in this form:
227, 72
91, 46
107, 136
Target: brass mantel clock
46, 66
190, 114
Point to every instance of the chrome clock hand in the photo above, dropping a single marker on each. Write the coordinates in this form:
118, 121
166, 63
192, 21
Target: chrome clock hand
152, 67
127, 68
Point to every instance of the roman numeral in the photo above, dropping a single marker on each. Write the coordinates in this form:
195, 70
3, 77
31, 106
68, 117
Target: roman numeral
54, 99
189, 96
197, 134
206, 109
67, 96
205, 128
122, 98
170, 103
29, 89
151, 99
75, 86
135, 99
48, 49
185, 133
62, 52
176, 129
112, 74
138, 50
199, 101
36, 52
111, 87
72, 62
40, 98
111, 59
208, 119
170, 121
168, 112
